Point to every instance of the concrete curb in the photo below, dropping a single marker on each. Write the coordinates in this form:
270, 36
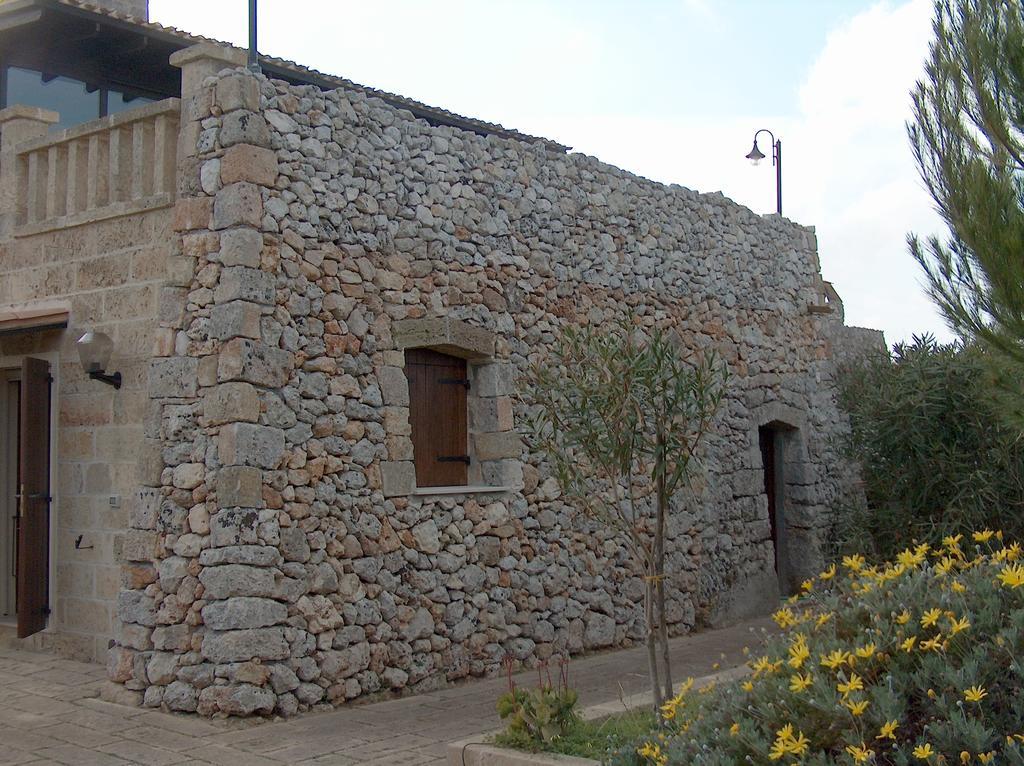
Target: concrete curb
474, 751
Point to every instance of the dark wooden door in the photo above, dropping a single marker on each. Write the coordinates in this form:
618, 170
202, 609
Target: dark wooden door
33, 497
766, 436
437, 413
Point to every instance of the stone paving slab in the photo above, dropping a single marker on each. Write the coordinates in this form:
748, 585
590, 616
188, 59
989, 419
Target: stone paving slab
50, 713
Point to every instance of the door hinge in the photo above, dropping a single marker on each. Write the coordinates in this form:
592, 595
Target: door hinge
455, 382
454, 459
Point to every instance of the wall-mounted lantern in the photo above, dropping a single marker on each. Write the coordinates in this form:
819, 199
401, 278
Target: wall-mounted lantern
94, 349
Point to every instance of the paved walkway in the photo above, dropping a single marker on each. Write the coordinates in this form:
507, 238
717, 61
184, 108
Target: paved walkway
50, 713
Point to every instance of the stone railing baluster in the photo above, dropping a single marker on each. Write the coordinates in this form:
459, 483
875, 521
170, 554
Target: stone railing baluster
118, 165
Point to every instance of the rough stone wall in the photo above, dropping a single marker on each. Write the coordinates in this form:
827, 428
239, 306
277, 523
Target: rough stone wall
109, 273
295, 563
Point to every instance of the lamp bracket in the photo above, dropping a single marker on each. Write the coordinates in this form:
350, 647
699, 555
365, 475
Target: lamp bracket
113, 379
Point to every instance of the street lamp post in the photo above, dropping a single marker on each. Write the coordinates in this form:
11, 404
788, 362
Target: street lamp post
254, 60
756, 155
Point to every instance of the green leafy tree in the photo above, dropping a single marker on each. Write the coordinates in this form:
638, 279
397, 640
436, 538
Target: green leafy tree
619, 419
968, 141
936, 456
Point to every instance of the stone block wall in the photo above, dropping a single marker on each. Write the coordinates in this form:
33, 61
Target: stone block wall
294, 563
110, 275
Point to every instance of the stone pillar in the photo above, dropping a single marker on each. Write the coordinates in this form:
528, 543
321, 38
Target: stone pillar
223, 587
17, 124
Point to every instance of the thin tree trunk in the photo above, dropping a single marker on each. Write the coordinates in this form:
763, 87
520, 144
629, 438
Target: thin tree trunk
659, 565
652, 655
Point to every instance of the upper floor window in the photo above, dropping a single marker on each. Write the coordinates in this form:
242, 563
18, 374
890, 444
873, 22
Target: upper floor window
74, 100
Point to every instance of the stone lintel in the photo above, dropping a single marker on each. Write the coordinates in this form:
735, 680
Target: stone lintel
446, 335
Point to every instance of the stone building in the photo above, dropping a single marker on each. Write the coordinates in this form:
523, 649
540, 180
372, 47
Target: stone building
308, 485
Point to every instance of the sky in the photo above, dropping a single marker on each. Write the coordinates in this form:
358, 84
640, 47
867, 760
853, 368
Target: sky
669, 89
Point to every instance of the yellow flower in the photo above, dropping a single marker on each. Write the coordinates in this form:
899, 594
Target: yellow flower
866, 652
1012, 576
975, 694
828, 574
958, 587
855, 684
888, 730
797, 682
984, 536
734, 730
952, 542
859, 752
965, 757
857, 708
652, 752
945, 566
822, 619
908, 644
835, 659
747, 686
910, 558
987, 757
956, 626
785, 618
798, 652
924, 752
903, 617
932, 644
787, 743
854, 563
930, 617
807, 586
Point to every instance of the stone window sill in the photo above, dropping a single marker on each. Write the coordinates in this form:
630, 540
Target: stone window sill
458, 490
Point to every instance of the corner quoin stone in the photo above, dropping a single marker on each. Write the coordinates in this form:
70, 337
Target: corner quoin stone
239, 486
231, 402
173, 377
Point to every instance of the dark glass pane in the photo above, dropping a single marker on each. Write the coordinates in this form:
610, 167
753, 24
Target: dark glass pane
61, 94
118, 102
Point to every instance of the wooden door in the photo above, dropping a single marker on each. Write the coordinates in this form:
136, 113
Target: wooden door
33, 497
437, 414
766, 436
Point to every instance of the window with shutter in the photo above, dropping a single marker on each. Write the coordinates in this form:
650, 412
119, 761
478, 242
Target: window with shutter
438, 384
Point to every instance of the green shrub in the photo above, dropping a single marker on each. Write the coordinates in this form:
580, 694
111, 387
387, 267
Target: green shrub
596, 739
540, 715
936, 455
917, 661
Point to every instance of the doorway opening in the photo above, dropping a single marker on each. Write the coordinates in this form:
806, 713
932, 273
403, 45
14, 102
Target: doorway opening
25, 495
771, 438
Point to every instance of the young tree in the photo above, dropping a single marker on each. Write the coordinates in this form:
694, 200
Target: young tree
619, 419
967, 137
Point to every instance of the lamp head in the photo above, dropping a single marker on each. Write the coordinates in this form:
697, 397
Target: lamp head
756, 155
94, 350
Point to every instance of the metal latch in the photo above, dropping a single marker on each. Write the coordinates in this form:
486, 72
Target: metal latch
454, 459
455, 382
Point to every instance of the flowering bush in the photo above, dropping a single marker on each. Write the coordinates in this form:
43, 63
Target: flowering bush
917, 661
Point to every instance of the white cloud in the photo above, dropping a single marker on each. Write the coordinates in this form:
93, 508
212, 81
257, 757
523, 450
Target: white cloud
847, 165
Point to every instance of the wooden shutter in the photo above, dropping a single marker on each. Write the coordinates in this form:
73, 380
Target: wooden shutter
33, 497
437, 413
